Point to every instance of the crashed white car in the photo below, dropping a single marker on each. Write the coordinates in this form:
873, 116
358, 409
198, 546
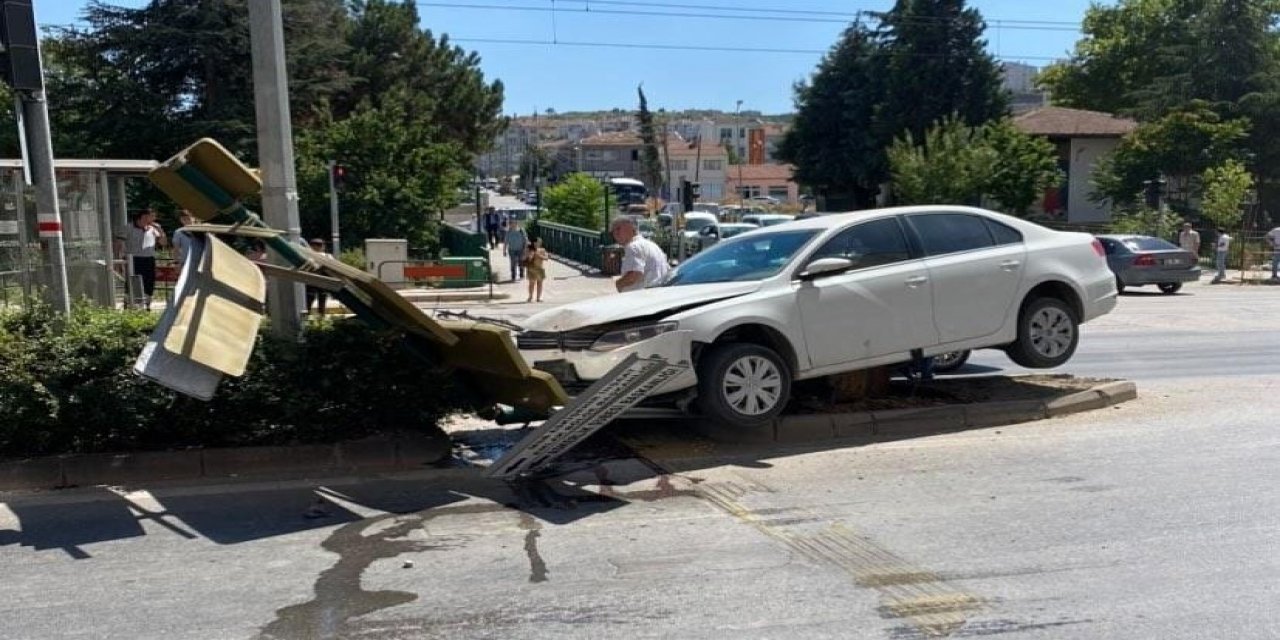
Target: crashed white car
834, 294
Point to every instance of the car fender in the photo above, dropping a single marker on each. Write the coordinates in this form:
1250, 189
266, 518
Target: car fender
711, 322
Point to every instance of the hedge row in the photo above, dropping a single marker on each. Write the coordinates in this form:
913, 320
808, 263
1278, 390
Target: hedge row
73, 390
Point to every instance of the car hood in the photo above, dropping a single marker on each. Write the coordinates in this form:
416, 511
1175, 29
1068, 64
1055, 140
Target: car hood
635, 304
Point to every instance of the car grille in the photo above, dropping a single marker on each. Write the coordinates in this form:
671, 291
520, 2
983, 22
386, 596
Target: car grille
576, 340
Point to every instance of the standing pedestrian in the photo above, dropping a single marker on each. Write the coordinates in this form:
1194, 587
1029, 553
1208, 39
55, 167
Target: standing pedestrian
1273, 238
516, 241
182, 238
1189, 240
1220, 255
535, 264
491, 226
315, 295
643, 262
137, 244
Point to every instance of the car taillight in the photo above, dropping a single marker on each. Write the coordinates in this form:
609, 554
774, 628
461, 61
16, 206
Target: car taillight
1146, 260
1097, 248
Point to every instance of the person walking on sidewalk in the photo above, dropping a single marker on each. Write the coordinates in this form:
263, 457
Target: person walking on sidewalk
643, 262
1189, 240
535, 264
516, 242
1273, 238
491, 227
1220, 255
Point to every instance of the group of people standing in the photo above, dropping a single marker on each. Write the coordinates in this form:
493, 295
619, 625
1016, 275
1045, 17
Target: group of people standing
526, 256
1189, 240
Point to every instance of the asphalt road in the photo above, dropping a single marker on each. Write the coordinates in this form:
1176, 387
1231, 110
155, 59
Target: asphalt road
1152, 520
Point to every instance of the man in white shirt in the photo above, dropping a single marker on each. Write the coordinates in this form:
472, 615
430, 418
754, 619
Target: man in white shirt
643, 262
1189, 239
137, 243
1273, 238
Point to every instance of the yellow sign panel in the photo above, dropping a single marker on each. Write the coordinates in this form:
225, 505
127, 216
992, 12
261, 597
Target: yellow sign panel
217, 323
218, 165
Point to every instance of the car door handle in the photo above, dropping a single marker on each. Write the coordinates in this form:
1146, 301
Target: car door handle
915, 281
1010, 265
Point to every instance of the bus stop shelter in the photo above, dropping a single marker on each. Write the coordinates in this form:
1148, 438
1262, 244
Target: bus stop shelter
93, 198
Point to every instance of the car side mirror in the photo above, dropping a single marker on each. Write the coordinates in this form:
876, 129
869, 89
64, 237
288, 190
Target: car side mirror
825, 267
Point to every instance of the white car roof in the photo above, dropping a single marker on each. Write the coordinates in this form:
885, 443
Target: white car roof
829, 220
706, 215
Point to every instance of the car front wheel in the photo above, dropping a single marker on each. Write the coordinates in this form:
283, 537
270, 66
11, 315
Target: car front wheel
1048, 333
744, 385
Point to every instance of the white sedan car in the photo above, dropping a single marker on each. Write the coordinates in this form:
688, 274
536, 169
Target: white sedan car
835, 294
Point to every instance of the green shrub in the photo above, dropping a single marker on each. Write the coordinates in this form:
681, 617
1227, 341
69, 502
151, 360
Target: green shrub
73, 391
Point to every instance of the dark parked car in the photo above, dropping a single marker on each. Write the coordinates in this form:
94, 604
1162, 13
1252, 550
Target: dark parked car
1142, 260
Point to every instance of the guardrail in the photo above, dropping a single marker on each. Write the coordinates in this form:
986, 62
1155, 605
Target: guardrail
574, 243
460, 242
439, 273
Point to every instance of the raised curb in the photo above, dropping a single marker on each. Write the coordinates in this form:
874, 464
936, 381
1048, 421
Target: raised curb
905, 423
131, 468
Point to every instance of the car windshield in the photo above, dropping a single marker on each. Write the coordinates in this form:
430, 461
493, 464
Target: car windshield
696, 224
744, 259
1147, 243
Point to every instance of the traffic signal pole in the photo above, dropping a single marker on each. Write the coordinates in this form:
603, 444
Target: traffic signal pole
334, 245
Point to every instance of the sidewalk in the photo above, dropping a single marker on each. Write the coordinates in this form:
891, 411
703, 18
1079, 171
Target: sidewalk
564, 284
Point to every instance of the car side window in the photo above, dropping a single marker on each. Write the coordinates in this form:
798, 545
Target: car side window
943, 233
868, 244
1003, 233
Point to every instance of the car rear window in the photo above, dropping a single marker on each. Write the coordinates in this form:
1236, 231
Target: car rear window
1146, 243
1003, 233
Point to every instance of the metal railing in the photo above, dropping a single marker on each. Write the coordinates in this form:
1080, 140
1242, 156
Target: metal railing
573, 243
460, 242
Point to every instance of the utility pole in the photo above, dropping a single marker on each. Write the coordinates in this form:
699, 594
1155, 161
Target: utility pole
275, 153
24, 71
742, 189
334, 242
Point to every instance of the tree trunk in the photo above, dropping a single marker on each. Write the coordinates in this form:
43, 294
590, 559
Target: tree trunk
860, 385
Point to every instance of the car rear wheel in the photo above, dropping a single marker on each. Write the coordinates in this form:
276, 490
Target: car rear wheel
950, 361
1048, 333
741, 384
1169, 288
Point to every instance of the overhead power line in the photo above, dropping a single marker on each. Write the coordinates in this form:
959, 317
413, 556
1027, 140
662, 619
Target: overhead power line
686, 47
770, 15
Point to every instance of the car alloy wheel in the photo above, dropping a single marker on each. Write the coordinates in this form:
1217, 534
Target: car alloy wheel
752, 386
1052, 331
1047, 334
742, 385
950, 361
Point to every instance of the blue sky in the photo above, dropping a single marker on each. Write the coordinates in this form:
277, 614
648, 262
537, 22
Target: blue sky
567, 76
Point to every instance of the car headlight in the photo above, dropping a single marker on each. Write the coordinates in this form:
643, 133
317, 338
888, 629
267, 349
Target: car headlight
625, 337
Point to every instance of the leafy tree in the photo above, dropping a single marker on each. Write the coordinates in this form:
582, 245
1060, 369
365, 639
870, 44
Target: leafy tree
829, 141
1179, 146
577, 200
1225, 189
1144, 220
650, 159
403, 173
956, 163
925, 61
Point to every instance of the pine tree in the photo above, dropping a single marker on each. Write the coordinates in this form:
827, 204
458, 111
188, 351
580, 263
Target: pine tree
650, 160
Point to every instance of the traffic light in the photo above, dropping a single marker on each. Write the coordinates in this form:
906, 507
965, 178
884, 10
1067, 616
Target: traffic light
20, 55
686, 195
696, 190
340, 175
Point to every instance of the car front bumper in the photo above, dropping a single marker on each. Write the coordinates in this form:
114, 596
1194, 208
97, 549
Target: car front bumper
576, 369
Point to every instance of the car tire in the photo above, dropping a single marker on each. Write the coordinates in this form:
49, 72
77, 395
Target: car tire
950, 361
1048, 332
722, 371
1169, 288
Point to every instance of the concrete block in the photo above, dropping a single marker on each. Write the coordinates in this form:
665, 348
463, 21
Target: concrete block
1117, 392
36, 473
131, 468
366, 454
860, 424
805, 428
416, 451
916, 422
994, 414
763, 434
266, 460
1075, 403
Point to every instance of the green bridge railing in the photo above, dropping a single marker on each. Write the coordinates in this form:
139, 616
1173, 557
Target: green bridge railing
575, 243
463, 243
